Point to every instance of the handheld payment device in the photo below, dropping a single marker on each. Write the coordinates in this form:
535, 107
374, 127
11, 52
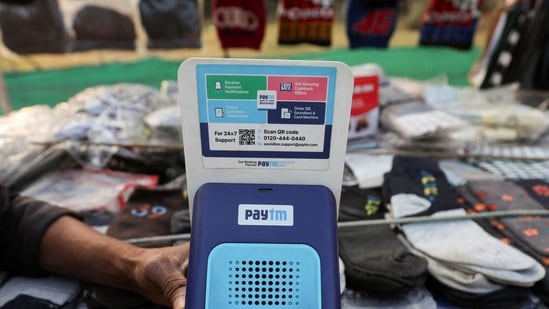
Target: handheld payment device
264, 150
264, 246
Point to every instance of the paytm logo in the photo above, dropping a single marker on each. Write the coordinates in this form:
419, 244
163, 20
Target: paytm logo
264, 214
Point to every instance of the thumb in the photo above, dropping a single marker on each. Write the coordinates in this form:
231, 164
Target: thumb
175, 289
179, 303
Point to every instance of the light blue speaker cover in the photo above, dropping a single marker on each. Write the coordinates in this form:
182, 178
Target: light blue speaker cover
263, 275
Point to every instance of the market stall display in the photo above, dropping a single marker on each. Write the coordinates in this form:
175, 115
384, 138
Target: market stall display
444, 201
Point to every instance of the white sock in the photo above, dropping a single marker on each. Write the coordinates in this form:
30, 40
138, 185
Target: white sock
465, 245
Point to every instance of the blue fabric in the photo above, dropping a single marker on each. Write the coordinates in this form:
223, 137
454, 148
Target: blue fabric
448, 35
371, 23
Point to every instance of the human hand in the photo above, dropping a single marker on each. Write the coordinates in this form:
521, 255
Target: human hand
160, 275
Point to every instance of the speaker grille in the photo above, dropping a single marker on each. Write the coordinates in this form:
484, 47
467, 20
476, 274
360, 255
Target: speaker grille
263, 276
264, 282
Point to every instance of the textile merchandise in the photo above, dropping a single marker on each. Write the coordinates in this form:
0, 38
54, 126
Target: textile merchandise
391, 267
371, 23
460, 253
239, 23
35, 27
97, 27
147, 213
306, 21
449, 23
171, 24
507, 47
529, 231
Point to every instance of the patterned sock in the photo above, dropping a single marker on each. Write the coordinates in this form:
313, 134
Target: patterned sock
418, 187
537, 189
495, 228
527, 230
460, 243
371, 23
388, 268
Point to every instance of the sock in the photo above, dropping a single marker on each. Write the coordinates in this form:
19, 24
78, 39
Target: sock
232, 32
421, 188
497, 229
171, 24
306, 21
527, 230
458, 173
390, 268
147, 213
466, 281
506, 297
418, 187
465, 245
538, 189
541, 288
446, 24
371, 23
369, 169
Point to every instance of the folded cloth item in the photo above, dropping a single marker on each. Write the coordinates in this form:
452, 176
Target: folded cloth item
529, 231
416, 120
537, 189
508, 297
369, 169
465, 281
541, 288
495, 228
375, 260
417, 186
466, 246
148, 213
458, 173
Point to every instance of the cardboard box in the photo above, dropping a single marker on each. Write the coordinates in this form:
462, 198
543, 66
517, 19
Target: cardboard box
365, 106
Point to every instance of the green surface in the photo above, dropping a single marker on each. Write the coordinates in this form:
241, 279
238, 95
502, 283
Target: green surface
421, 63
54, 86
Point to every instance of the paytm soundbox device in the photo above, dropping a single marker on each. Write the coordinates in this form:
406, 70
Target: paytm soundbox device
264, 144
263, 246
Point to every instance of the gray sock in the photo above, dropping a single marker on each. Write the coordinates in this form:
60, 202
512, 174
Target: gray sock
465, 245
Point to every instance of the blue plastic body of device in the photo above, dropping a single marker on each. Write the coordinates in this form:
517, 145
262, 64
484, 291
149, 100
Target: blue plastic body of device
263, 246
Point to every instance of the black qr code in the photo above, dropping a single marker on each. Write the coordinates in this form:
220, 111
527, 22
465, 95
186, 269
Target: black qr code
246, 136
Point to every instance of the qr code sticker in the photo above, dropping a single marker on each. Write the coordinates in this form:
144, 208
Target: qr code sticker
246, 136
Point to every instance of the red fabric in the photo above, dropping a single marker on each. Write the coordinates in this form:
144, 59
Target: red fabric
306, 21
239, 23
448, 12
